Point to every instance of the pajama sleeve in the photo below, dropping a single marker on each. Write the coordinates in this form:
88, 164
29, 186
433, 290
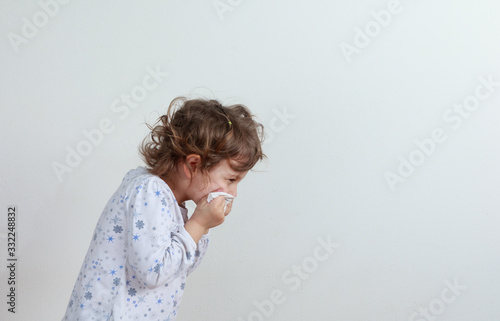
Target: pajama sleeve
200, 252
159, 249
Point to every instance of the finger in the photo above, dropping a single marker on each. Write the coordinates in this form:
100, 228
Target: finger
228, 208
219, 200
218, 203
204, 199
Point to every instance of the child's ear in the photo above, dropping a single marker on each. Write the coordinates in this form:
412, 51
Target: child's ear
193, 163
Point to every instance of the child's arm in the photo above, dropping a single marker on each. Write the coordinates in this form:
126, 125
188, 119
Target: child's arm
195, 229
159, 248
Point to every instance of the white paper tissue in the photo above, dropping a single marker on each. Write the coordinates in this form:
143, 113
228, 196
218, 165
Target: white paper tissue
228, 197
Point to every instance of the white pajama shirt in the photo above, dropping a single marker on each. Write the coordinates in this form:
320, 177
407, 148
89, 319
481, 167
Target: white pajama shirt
139, 256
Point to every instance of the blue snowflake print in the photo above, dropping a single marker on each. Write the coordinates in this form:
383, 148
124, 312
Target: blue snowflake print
116, 281
183, 285
112, 272
115, 219
118, 229
163, 202
157, 193
88, 295
110, 239
157, 268
96, 313
132, 292
159, 301
136, 237
87, 286
188, 255
123, 198
139, 224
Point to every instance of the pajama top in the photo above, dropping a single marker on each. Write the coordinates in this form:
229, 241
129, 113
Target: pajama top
139, 256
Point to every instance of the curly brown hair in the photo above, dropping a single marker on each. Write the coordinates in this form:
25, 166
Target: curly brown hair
206, 128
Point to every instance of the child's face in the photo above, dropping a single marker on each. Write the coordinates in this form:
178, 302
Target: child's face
221, 178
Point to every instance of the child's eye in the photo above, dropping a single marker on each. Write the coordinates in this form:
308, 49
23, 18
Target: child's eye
232, 180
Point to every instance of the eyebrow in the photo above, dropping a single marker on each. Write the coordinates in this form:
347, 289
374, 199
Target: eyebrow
237, 175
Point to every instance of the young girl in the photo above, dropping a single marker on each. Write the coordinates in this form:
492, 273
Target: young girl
144, 245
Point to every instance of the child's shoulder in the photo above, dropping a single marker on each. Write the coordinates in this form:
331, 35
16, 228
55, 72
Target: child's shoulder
137, 173
141, 178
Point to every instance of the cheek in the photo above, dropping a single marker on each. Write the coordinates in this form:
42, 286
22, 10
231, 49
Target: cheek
211, 186
202, 185
216, 184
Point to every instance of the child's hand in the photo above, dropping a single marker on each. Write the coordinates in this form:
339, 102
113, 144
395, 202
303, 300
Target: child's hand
210, 214
207, 215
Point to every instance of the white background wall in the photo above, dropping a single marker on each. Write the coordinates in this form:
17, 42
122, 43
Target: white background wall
349, 117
